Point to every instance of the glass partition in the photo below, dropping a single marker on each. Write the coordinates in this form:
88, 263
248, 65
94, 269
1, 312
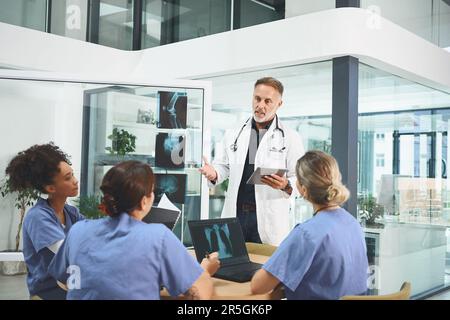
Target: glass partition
250, 12
24, 13
429, 19
100, 125
306, 109
403, 185
161, 126
167, 22
115, 24
299, 7
69, 18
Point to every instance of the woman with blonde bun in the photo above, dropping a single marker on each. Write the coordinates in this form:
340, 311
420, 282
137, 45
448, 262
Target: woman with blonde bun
324, 257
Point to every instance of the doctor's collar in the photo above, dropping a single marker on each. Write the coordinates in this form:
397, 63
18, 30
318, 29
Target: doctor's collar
269, 123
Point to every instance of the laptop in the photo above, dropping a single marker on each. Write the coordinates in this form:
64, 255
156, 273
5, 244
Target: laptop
224, 236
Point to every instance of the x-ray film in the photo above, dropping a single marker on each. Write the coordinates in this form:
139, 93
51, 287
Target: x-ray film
172, 110
173, 185
169, 151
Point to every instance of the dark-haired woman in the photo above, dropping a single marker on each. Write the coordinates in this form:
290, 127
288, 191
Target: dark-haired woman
324, 257
121, 257
46, 169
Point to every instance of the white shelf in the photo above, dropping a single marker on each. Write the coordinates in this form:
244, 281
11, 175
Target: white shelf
134, 125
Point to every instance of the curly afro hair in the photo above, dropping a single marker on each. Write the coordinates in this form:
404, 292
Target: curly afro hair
35, 167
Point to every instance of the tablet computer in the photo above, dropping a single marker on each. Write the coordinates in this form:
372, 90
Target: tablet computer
255, 178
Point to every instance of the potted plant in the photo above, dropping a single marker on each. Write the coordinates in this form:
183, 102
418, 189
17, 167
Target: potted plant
12, 261
88, 206
369, 210
123, 143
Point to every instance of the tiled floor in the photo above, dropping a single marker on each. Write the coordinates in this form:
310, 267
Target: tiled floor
15, 288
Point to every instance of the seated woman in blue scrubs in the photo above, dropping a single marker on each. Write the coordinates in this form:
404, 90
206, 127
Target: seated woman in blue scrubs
324, 257
121, 257
46, 169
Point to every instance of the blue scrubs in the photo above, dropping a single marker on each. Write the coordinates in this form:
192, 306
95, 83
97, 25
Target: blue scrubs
123, 258
322, 258
41, 229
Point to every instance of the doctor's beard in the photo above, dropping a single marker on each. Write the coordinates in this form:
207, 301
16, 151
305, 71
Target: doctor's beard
267, 117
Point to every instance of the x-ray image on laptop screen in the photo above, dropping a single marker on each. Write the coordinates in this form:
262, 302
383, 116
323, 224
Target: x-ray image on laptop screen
219, 235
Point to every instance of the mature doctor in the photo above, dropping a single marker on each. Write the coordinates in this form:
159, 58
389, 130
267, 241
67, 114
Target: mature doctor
262, 141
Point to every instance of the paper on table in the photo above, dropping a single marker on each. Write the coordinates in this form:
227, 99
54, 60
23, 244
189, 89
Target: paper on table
165, 203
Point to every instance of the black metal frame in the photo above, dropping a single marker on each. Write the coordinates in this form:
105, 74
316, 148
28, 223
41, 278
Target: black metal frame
93, 21
344, 118
344, 124
236, 14
48, 25
137, 24
431, 162
348, 3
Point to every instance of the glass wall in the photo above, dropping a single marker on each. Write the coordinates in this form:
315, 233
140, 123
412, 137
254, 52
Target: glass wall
429, 19
306, 109
251, 12
100, 125
69, 18
115, 24
112, 22
152, 23
298, 7
403, 189
24, 13
172, 21
201, 18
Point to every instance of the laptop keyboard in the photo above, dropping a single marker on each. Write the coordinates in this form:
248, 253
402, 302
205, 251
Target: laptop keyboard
239, 273
242, 268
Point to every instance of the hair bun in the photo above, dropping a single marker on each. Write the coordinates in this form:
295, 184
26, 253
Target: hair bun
332, 193
110, 204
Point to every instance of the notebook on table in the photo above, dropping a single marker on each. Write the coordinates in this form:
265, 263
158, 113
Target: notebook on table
164, 216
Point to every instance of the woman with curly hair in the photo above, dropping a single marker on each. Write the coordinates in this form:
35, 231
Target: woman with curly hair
47, 169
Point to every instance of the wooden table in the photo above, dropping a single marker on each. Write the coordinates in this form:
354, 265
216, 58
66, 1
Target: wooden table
229, 290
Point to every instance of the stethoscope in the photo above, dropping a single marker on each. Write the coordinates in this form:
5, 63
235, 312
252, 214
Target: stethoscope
234, 146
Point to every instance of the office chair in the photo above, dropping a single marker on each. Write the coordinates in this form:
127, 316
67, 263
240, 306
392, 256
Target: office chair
260, 248
403, 294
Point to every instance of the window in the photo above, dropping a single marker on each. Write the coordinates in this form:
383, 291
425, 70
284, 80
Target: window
24, 13
115, 24
69, 18
403, 178
380, 136
380, 160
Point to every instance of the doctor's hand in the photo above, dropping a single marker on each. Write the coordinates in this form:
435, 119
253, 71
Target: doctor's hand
211, 264
208, 171
275, 181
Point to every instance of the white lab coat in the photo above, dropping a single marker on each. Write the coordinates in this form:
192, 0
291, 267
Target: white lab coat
272, 206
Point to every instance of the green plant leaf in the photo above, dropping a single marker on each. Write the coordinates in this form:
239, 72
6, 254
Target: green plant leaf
88, 206
122, 142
